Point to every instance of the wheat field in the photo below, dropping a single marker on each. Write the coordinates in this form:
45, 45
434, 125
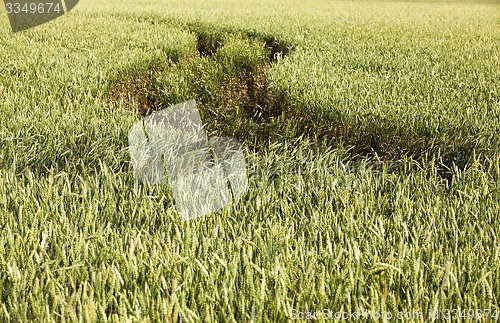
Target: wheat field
370, 132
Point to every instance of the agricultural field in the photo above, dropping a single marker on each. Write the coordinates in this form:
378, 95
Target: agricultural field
371, 134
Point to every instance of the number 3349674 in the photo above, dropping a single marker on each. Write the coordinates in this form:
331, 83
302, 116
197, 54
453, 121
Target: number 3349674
32, 8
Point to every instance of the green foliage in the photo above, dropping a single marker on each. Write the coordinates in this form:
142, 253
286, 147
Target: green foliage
371, 136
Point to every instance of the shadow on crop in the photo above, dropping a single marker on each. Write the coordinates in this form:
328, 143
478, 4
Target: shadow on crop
242, 104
